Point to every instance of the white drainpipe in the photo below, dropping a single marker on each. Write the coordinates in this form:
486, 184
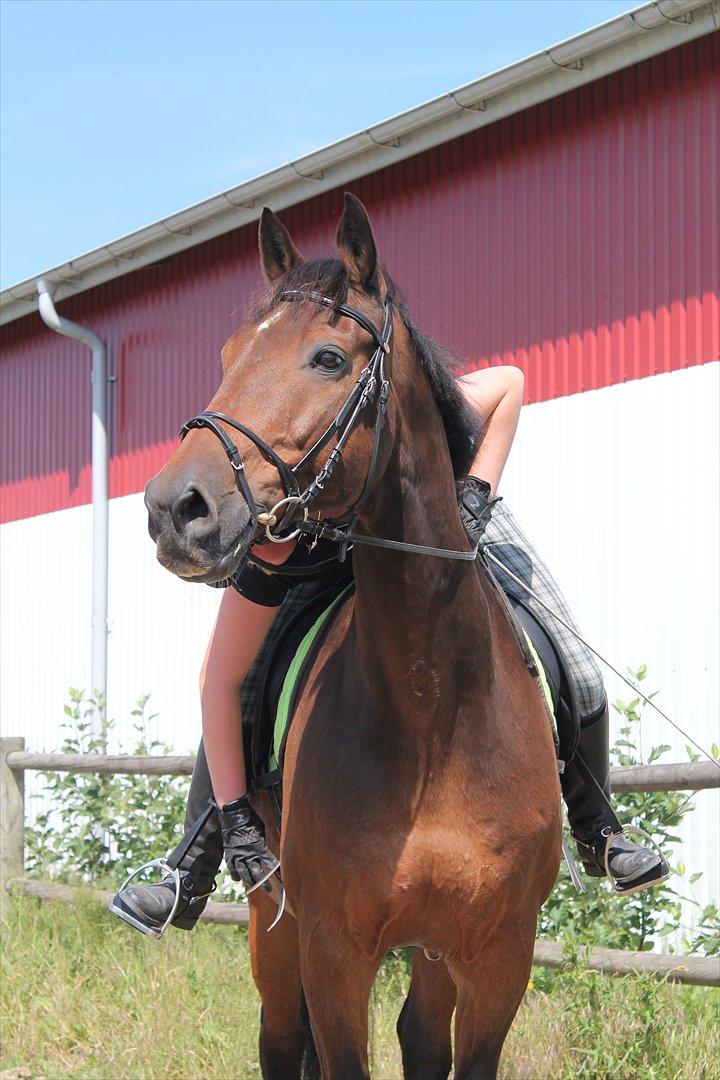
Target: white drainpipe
70, 329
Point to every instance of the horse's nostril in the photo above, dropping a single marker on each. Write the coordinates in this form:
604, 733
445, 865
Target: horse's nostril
195, 514
191, 506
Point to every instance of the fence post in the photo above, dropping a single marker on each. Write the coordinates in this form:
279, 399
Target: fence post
12, 815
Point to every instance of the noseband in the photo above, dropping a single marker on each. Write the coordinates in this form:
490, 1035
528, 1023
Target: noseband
371, 384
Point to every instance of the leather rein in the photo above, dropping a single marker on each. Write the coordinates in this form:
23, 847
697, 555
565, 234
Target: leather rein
372, 385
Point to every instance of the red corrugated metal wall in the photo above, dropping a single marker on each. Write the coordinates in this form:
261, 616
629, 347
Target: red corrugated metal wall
578, 239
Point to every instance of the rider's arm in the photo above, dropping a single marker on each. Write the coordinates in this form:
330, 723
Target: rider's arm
239, 632
497, 394
240, 629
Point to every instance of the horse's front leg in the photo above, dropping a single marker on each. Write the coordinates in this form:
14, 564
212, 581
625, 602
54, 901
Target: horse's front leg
490, 988
337, 978
425, 1020
275, 962
276, 971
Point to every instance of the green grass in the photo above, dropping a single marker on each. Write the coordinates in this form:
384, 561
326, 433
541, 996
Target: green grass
85, 998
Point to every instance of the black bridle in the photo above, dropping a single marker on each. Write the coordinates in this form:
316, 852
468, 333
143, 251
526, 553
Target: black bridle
293, 509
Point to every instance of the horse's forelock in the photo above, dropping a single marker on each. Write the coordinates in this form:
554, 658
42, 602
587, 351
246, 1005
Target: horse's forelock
325, 276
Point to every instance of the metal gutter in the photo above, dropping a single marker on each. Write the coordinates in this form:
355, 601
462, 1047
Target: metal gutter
628, 39
99, 618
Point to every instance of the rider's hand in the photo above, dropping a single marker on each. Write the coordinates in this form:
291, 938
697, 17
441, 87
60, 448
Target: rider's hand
247, 855
476, 507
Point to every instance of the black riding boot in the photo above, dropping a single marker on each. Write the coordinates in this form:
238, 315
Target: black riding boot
147, 907
632, 866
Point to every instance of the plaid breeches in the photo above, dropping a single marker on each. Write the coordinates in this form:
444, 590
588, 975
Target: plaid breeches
294, 599
512, 547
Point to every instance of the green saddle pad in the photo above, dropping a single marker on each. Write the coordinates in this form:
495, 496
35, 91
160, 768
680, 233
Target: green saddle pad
294, 674
544, 684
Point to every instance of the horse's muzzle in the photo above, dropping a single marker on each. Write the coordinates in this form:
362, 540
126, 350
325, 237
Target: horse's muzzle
198, 537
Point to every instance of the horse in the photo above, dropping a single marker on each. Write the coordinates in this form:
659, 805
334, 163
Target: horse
421, 803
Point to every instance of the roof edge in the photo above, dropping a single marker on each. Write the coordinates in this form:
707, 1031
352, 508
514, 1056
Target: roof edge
627, 39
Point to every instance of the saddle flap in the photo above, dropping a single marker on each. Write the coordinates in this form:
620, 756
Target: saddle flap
528, 629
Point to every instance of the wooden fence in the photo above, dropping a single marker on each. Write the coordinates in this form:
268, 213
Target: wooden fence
14, 761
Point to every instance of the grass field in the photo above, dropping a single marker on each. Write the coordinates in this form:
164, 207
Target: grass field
85, 998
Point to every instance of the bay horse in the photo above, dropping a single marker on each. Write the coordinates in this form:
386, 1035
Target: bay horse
421, 803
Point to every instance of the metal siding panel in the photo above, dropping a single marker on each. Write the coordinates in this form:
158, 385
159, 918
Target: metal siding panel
591, 219
578, 239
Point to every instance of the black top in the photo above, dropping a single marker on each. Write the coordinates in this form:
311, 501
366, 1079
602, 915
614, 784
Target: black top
270, 589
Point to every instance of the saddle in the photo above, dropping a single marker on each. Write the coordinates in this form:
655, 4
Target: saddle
545, 661
284, 670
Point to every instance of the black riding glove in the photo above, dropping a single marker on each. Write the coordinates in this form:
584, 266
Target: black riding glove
476, 507
247, 855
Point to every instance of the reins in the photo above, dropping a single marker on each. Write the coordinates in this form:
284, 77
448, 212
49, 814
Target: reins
345, 536
648, 701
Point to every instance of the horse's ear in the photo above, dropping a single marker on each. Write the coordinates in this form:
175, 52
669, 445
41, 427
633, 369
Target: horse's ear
278, 254
356, 243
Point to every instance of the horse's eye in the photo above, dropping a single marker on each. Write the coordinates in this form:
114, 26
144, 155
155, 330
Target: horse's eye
328, 361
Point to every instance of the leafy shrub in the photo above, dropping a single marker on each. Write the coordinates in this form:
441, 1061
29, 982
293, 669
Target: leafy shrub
99, 825
637, 922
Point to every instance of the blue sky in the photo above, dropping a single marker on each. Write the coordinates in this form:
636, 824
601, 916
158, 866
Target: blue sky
117, 113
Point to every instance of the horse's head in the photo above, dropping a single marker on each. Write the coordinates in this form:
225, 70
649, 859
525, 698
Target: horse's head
287, 375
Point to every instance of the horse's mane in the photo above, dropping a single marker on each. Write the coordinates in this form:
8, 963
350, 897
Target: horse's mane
330, 278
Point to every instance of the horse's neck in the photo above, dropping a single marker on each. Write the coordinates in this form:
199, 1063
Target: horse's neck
422, 623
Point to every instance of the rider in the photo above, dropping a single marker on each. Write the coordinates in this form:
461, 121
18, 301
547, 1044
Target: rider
257, 603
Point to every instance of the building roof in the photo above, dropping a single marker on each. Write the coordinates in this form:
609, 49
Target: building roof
634, 36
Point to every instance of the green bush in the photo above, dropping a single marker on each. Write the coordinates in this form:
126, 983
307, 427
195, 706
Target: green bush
637, 922
99, 825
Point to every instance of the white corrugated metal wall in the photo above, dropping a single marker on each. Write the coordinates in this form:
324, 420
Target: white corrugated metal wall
620, 490
617, 487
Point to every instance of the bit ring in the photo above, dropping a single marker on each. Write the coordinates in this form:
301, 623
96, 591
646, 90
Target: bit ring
271, 518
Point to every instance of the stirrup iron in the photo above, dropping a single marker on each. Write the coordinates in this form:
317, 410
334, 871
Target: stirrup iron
271, 883
169, 866
167, 870
636, 831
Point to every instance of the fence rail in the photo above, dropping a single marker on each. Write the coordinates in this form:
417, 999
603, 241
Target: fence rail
684, 776
14, 761
146, 765
694, 970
